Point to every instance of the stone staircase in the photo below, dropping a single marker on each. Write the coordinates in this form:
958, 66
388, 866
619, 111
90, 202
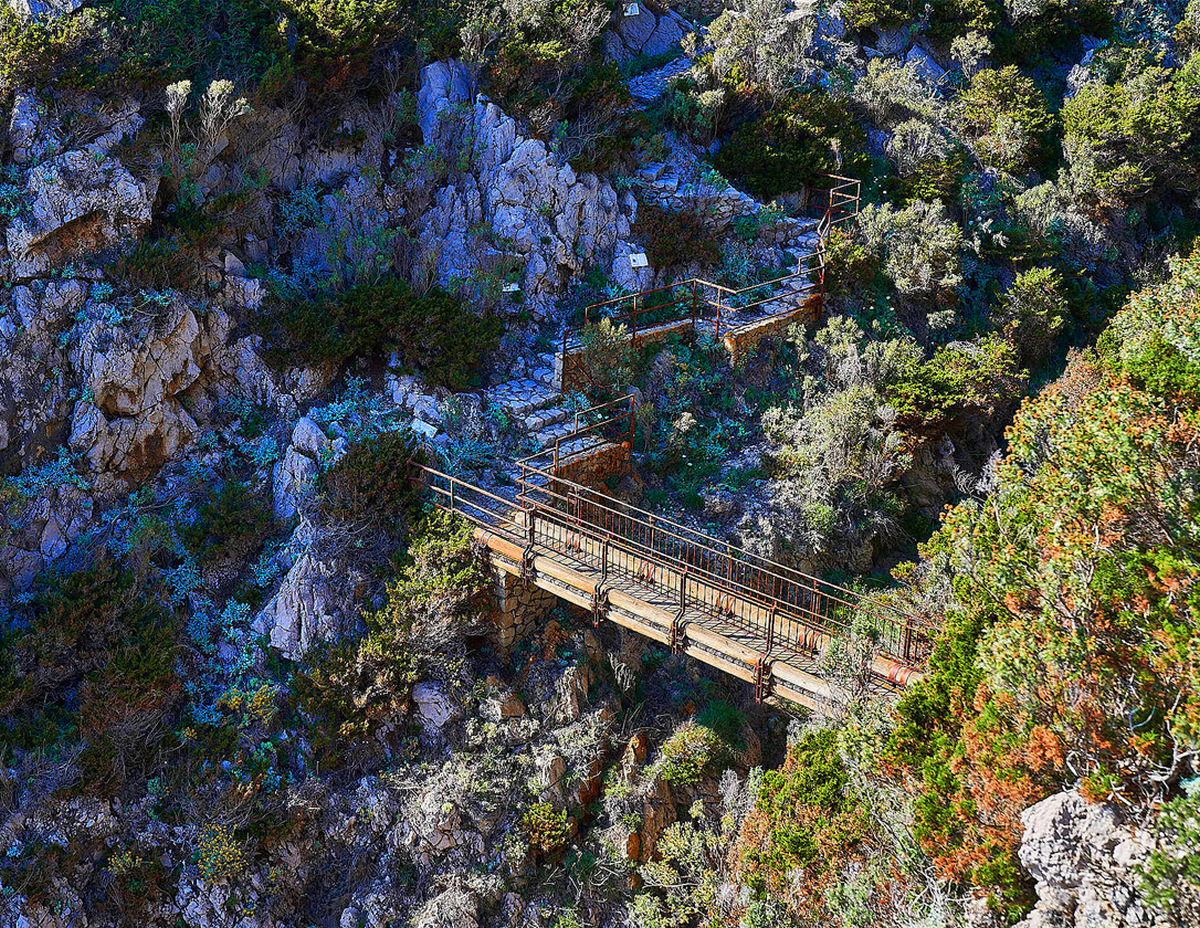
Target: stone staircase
536, 405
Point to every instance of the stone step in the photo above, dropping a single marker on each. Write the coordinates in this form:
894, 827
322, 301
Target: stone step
548, 417
584, 444
548, 432
523, 397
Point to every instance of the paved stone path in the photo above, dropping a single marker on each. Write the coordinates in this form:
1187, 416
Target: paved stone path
648, 87
541, 410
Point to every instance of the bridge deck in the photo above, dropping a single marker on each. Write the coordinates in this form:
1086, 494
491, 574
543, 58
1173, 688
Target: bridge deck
775, 642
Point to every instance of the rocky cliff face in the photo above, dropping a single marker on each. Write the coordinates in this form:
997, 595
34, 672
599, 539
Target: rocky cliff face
515, 204
1086, 859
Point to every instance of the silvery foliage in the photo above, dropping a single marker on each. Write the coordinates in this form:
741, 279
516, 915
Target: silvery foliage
761, 41
840, 436
919, 245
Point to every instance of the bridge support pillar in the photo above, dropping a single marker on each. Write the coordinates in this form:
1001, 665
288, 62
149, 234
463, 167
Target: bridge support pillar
522, 607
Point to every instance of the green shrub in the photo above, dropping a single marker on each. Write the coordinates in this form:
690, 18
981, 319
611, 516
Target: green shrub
352, 689
445, 341
545, 828
691, 752
97, 662
793, 145
955, 381
374, 482
1006, 116
808, 810
34, 52
336, 328
157, 264
919, 246
1129, 140
607, 357
1162, 370
848, 265
228, 524
725, 720
433, 334
675, 237
1032, 312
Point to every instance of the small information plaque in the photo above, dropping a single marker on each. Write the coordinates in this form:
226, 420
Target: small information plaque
424, 429
639, 259
633, 9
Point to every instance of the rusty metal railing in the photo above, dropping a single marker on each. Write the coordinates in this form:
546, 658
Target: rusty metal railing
677, 568
688, 301
594, 420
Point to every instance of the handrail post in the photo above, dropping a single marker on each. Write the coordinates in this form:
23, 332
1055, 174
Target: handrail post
718, 325
632, 401
452, 482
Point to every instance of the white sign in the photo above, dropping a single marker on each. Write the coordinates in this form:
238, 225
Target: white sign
639, 259
512, 288
632, 9
424, 429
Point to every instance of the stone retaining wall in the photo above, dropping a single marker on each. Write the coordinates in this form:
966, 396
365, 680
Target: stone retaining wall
594, 467
522, 607
741, 344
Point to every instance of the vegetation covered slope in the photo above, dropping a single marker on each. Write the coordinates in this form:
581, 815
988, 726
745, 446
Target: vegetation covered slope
1069, 602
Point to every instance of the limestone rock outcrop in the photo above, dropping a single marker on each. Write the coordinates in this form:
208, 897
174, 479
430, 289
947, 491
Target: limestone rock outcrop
647, 32
80, 201
553, 223
1084, 857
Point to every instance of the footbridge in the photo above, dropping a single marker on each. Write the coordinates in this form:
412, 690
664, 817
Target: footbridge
751, 617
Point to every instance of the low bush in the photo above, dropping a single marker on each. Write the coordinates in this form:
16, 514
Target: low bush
445, 341
805, 814
691, 752
1049, 637
793, 145
1032, 313
97, 663
919, 246
351, 690
1132, 139
374, 482
336, 328
674, 238
220, 855
545, 828
256, 43
1006, 115
434, 334
228, 524
849, 266
956, 380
